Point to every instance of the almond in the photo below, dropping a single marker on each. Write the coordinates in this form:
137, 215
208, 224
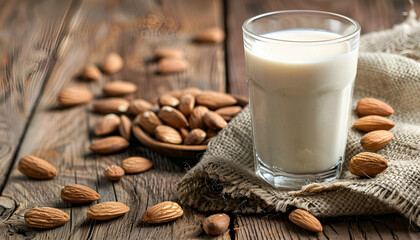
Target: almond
112, 63
91, 72
195, 137
108, 125
211, 133
148, 121
125, 127
107, 210
74, 96
163, 212
172, 117
372, 123
375, 140
305, 220
175, 93
138, 106
167, 52
214, 120
111, 105
46, 217
36, 168
196, 117
109, 145
228, 112
211, 35
215, 100
168, 100
76, 193
114, 172
167, 134
191, 90
373, 106
184, 133
119, 88
172, 65
216, 224
136, 165
186, 104
367, 164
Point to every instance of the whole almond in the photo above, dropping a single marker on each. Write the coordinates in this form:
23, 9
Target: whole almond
228, 112
167, 52
215, 100
214, 120
138, 106
367, 164
119, 88
109, 145
36, 168
168, 100
372, 123
46, 217
74, 96
172, 65
184, 133
216, 224
375, 140
305, 220
163, 212
167, 134
111, 105
112, 63
136, 165
108, 125
114, 172
107, 210
195, 137
373, 106
148, 121
172, 117
175, 93
125, 127
191, 90
76, 193
91, 72
186, 104
196, 117
211, 35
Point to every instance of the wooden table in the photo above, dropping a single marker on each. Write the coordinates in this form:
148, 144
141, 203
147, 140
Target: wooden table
45, 44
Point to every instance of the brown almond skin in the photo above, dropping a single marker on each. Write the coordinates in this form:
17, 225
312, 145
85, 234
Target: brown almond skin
216, 224
172, 65
168, 52
91, 72
195, 137
168, 100
163, 212
74, 96
76, 193
125, 127
186, 104
107, 210
173, 117
184, 133
114, 173
305, 220
109, 145
175, 93
136, 165
46, 217
375, 140
196, 117
191, 90
230, 111
167, 134
36, 168
111, 105
367, 164
215, 100
113, 63
373, 106
372, 123
119, 88
211, 35
108, 125
214, 120
148, 121
139, 106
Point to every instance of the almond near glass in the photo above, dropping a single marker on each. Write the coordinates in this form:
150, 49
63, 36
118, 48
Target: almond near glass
301, 67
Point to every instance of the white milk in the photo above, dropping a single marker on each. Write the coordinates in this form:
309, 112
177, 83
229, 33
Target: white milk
300, 97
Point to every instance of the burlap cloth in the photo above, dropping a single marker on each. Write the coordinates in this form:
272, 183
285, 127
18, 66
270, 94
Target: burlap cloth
388, 69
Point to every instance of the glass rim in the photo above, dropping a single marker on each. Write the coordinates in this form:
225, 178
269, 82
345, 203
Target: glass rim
246, 30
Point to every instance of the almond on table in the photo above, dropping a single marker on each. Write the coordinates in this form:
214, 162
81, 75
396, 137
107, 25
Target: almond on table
113, 63
74, 96
172, 65
211, 35
107, 210
305, 220
163, 212
168, 52
109, 145
46, 217
36, 168
114, 172
108, 125
119, 88
91, 72
76, 193
111, 105
216, 224
136, 165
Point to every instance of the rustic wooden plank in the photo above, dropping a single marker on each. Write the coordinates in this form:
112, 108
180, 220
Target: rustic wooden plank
62, 136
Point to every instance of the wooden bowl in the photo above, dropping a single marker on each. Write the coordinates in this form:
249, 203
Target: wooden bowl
174, 150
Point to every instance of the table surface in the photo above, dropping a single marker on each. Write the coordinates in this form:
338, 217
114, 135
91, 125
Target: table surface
45, 44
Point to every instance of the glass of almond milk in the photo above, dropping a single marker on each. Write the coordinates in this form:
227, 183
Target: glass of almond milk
301, 67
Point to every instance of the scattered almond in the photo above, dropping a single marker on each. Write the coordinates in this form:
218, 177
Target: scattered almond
113, 63
167, 52
367, 164
46, 217
119, 88
74, 96
111, 105
167, 134
216, 224
215, 100
125, 127
148, 121
36, 168
186, 104
91, 72
375, 140
76, 193
214, 120
195, 137
211, 35
172, 117
305, 220
107, 210
108, 125
172, 65
373, 106
139, 106
136, 165
168, 100
162, 212
196, 117
109, 145
372, 123
114, 173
